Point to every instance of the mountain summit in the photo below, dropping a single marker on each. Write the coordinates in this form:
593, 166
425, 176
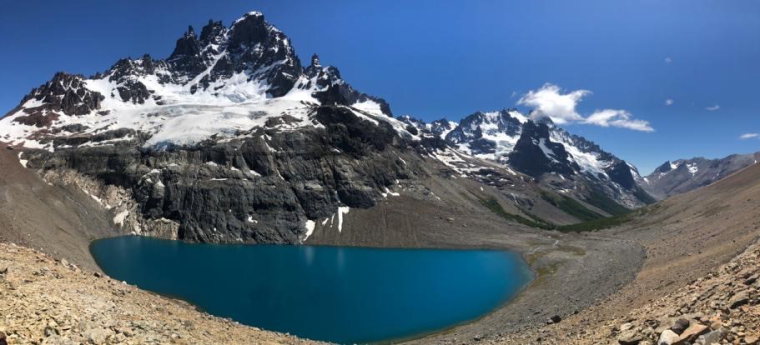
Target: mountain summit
205, 87
232, 139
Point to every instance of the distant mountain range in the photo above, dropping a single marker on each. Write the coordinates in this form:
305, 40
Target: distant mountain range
231, 139
684, 175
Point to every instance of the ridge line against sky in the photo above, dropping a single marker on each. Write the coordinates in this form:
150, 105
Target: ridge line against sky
685, 69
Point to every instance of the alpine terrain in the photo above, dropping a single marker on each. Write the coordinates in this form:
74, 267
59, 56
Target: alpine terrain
683, 175
231, 139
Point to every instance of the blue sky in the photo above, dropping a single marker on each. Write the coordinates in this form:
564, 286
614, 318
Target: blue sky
441, 58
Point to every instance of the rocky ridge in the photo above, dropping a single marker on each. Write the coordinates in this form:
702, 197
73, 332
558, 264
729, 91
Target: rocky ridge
684, 175
560, 161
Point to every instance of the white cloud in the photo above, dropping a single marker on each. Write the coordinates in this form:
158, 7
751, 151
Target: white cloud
618, 118
713, 108
746, 136
550, 101
668, 59
669, 102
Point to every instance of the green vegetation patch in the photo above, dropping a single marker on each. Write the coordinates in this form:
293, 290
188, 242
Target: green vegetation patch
604, 223
492, 204
593, 221
604, 203
570, 206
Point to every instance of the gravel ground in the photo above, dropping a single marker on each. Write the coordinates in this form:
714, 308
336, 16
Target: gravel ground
45, 301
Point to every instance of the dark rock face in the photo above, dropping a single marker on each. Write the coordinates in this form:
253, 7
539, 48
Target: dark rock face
332, 88
535, 155
620, 173
125, 70
259, 189
250, 45
254, 44
212, 33
665, 167
186, 57
470, 128
37, 118
438, 127
66, 93
133, 91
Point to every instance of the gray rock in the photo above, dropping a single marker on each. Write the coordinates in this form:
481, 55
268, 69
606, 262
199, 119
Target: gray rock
667, 337
710, 338
680, 325
630, 337
739, 299
98, 336
50, 331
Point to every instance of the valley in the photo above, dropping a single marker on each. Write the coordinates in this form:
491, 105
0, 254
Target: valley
230, 142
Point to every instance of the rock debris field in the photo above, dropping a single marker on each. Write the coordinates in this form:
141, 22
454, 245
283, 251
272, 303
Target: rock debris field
49, 302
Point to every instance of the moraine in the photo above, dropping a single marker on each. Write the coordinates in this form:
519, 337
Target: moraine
337, 294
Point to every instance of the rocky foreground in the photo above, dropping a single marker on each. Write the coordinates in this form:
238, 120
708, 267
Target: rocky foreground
720, 308
46, 301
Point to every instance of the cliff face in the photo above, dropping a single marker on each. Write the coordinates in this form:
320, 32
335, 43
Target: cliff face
264, 187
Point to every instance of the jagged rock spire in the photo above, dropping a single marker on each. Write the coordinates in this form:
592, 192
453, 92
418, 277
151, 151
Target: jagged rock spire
315, 60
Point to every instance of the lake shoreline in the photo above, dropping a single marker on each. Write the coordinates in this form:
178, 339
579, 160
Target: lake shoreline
543, 259
421, 281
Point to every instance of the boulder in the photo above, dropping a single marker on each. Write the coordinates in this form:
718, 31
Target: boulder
680, 325
630, 337
667, 337
691, 333
709, 338
739, 299
98, 335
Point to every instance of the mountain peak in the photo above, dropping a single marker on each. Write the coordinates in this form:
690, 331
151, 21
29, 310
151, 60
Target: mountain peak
213, 32
663, 168
250, 30
250, 62
315, 60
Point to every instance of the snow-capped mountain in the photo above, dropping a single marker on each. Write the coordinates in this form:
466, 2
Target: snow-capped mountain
540, 149
231, 139
490, 135
227, 139
684, 175
225, 81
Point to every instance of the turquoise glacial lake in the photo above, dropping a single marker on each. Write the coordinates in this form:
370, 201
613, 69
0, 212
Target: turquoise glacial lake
338, 294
